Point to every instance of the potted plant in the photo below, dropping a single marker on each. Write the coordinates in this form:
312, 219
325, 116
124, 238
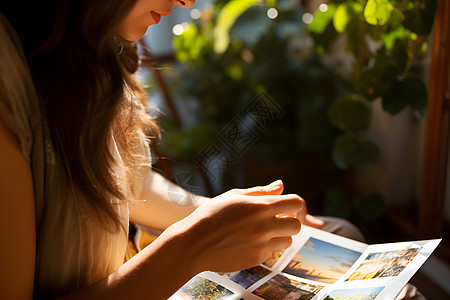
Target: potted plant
241, 50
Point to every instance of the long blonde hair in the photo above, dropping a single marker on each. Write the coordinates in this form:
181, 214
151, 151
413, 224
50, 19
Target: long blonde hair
74, 44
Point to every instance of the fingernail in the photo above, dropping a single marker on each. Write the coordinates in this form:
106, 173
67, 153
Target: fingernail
276, 183
274, 186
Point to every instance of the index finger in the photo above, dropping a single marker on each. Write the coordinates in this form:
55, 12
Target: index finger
274, 188
288, 205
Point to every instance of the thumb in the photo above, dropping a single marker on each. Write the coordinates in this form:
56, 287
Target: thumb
275, 188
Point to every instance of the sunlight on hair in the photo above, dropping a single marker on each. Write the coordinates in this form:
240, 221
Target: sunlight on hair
323, 7
272, 13
195, 14
307, 18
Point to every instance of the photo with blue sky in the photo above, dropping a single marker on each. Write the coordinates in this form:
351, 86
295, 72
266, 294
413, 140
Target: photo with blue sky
321, 261
367, 293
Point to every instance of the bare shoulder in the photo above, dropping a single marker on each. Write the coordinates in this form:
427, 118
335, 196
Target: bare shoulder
17, 220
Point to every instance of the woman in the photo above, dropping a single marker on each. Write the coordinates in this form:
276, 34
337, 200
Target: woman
75, 166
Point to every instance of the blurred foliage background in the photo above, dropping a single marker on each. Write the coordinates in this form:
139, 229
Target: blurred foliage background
324, 69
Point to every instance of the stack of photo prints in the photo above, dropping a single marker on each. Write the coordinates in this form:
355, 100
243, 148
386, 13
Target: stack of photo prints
319, 266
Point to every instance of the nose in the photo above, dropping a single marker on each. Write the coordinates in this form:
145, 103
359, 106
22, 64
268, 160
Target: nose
185, 3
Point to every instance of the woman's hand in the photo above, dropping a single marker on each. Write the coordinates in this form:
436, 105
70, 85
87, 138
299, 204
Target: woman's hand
277, 188
161, 209
236, 230
242, 227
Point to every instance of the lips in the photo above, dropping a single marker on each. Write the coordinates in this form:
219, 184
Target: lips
156, 16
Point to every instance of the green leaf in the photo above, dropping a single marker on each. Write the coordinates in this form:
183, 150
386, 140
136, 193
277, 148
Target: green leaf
411, 91
323, 41
417, 94
394, 100
399, 55
228, 15
251, 25
350, 114
234, 71
398, 33
396, 18
190, 44
420, 18
376, 81
351, 151
378, 12
322, 20
344, 14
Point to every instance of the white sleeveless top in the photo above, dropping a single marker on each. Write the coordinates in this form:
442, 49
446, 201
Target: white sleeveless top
73, 250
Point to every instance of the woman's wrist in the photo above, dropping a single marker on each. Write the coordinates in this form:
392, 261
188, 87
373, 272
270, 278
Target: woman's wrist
186, 243
199, 200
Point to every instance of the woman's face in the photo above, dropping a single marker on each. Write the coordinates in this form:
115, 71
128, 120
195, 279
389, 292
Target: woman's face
146, 13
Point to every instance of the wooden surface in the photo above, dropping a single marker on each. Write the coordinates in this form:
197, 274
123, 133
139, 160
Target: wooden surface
431, 213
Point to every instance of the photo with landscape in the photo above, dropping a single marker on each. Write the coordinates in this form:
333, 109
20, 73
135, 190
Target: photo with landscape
283, 288
248, 277
321, 261
384, 264
367, 293
202, 288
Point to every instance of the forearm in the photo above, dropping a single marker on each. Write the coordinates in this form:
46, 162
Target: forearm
161, 207
156, 272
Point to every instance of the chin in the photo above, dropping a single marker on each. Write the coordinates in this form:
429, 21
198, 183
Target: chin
133, 36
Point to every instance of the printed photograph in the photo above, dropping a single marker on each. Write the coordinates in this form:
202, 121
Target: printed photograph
270, 262
199, 288
282, 288
248, 277
384, 264
321, 261
368, 293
